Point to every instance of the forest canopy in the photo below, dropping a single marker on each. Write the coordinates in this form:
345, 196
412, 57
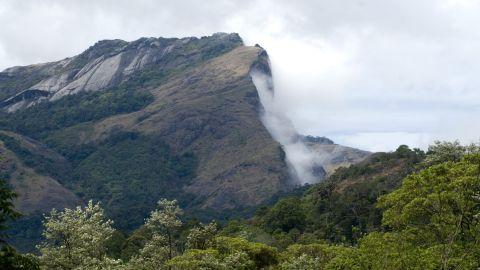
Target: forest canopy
428, 219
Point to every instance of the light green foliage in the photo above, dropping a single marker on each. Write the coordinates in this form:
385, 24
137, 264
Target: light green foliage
75, 239
211, 259
152, 256
194, 259
432, 221
438, 210
165, 221
378, 251
202, 236
443, 151
166, 218
393, 251
261, 254
311, 256
242, 229
238, 260
163, 224
303, 262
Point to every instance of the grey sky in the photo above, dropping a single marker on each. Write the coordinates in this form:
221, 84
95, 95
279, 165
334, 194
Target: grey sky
371, 73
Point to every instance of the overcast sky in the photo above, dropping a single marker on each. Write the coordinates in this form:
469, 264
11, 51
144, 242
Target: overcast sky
367, 73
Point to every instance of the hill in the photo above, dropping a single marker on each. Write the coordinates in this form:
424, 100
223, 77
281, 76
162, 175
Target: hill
127, 123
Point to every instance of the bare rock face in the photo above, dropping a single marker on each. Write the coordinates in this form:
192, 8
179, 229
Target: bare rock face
202, 106
212, 110
205, 104
105, 64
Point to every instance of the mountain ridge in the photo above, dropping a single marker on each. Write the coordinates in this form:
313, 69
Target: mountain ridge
184, 124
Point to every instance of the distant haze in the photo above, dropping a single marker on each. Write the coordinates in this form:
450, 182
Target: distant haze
369, 74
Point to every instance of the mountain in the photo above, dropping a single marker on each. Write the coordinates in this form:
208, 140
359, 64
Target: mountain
127, 123
40, 191
343, 207
333, 156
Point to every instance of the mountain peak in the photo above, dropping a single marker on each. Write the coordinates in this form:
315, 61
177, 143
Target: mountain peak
108, 63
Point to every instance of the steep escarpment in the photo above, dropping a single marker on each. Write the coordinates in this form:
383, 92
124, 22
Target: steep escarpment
108, 63
137, 121
127, 123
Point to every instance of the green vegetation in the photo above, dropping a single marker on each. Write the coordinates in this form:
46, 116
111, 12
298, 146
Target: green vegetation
128, 171
38, 121
42, 164
342, 208
9, 257
75, 239
430, 221
401, 210
7, 213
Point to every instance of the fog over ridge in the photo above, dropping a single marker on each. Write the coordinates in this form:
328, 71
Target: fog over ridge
301, 160
369, 74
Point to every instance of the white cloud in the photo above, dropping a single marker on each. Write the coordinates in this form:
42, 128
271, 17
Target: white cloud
400, 71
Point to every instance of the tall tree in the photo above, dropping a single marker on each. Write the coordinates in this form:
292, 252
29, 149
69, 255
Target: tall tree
76, 238
7, 211
439, 209
163, 225
165, 220
9, 257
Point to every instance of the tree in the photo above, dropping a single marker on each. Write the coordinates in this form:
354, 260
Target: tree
261, 255
438, 210
442, 151
198, 259
165, 220
7, 211
201, 237
287, 214
153, 256
9, 257
76, 238
432, 221
163, 225
194, 259
12, 260
307, 257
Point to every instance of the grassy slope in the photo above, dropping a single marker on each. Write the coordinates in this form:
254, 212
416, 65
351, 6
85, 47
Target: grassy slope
210, 110
25, 164
200, 135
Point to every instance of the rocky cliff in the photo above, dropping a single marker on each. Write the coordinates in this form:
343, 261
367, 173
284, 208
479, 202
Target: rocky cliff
192, 97
127, 123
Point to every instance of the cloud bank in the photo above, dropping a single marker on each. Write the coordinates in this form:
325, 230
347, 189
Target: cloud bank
300, 159
370, 74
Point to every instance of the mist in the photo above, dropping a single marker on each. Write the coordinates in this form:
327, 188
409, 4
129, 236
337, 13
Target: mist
300, 160
368, 74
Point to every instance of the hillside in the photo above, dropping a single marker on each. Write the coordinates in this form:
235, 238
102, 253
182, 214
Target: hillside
339, 210
333, 156
127, 123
